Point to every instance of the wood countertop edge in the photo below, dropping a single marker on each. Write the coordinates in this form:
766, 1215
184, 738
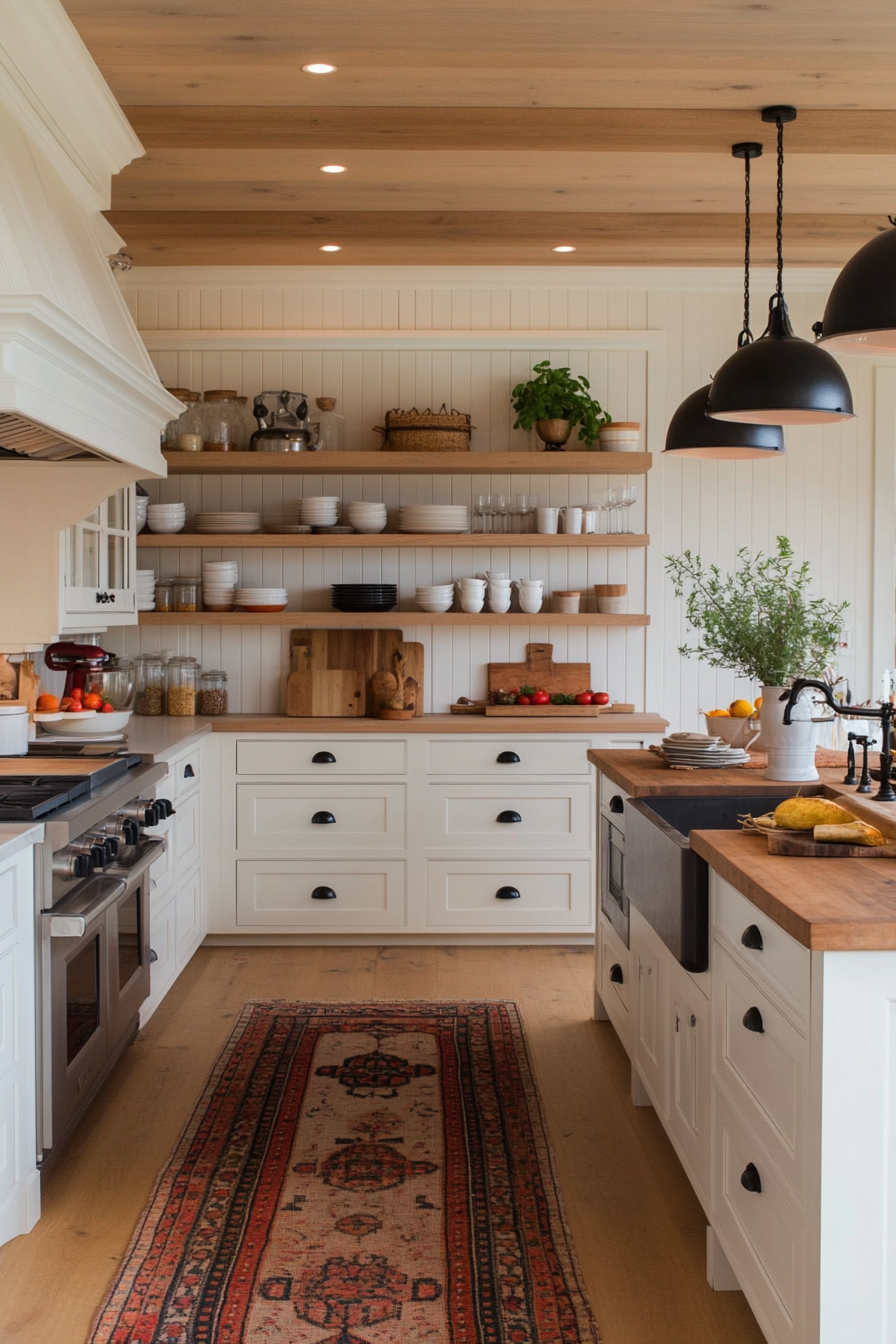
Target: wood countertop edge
441, 723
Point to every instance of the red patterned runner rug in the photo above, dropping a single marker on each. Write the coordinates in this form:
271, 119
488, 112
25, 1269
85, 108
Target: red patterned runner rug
358, 1173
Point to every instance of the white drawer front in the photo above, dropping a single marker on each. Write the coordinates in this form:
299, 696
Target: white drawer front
765, 1071
551, 895
281, 816
614, 986
764, 1230
373, 756
451, 756
184, 776
281, 895
465, 816
186, 838
783, 961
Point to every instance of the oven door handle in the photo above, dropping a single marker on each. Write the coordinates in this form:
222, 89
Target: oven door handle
61, 925
155, 848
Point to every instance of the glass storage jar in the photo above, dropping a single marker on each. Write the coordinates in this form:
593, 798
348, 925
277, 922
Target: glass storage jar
213, 693
189, 426
331, 434
247, 423
186, 594
183, 687
222, 421
149, 677
169, 436
165, 595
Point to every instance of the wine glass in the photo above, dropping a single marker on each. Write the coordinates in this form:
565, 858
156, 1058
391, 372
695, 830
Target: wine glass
629, 496
479, 507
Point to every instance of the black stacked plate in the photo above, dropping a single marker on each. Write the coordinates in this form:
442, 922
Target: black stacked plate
364, 596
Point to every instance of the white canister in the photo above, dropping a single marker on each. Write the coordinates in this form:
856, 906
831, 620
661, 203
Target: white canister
620, 436
13, 730
790, 746
547, 520
572, 521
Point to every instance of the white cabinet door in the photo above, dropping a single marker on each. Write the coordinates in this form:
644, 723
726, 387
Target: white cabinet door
189, 922
308, 817
19, 1178
651, 1023
98, 559
340, 895
689, 1078
499, 895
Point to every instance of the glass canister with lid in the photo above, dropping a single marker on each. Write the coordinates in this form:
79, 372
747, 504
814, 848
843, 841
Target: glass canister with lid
149, 679
183, 687
189, 425
222, 420
185, 593
213, 693
331, 433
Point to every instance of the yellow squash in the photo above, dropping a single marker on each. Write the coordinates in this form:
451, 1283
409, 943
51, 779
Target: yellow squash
857, 834
804, 814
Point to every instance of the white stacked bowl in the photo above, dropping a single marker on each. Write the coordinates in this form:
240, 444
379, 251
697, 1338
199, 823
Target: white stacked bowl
145, 583
218, 599
163, 518
434, 597
365, 517
141, 504
499, 596
319, 510
261, 599
471, 593
531, 595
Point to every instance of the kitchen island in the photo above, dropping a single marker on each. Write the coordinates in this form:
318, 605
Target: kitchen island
774, 1071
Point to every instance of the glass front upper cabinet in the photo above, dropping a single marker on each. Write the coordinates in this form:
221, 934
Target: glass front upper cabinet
98, 562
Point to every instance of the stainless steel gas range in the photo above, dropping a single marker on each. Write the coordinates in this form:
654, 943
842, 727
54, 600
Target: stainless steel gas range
92, 922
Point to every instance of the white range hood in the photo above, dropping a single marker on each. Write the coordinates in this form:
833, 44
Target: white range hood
75, 378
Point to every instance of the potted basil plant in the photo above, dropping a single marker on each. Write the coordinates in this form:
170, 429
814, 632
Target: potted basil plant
762, 622
553, 403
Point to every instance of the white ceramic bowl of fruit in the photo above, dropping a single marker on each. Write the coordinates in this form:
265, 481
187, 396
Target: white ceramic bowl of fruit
90, 723
738, 727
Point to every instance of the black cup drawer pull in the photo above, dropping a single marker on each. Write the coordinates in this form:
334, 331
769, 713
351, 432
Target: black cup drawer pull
752, 938
507, 758
753, 1020
509, 818
750, 1179
323, 894
323, 819
323, 758
616, 976
616, 804
508, 894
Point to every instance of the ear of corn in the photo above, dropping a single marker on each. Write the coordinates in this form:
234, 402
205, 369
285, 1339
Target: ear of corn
858, 833
802, 814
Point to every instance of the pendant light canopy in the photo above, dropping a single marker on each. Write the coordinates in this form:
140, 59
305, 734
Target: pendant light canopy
691, 432
780, 379
860, 315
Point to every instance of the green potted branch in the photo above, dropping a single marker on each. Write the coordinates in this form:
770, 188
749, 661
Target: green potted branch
762, 622
553, 403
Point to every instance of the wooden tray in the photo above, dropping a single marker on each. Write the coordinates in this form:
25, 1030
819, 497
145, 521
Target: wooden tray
468, 709
539, 670
795, 846
544, 711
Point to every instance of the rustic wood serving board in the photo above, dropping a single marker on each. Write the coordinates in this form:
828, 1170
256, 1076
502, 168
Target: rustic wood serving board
543, 711
541, 671
50, 765
367, 655
795, 846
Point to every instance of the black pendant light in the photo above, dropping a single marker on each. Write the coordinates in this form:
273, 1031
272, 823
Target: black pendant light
860, 315
780, 379
691, 432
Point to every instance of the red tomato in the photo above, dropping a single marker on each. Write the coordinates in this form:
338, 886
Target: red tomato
108, 708
600, 698
77, 693
75, 707
523, 700
541, 698
92, 701
584, 697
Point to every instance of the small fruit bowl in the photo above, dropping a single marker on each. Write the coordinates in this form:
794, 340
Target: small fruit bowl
88, 723
734, 732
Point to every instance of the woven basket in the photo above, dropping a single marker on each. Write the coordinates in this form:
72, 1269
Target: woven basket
441, 431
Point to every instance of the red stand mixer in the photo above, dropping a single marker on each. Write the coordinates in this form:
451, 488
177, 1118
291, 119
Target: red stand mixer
78, 661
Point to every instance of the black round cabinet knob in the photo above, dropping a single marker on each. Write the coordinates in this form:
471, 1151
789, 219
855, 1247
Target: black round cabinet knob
323, 819
323, 894
507, 758
509, 817
323, 758
508, 894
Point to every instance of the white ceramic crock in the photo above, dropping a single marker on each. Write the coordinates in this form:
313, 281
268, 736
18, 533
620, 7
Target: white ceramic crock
13, 730
790, 746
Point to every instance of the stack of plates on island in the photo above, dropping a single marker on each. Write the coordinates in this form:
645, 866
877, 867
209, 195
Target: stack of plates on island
434, 518
234, 521
319, 510
702, 752
146, 589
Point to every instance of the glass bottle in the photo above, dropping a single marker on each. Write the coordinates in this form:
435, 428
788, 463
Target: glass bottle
213, 693
189, 426
183, 685
165, 595
222, 421
186, 594
331, 435
169, 436
149, 675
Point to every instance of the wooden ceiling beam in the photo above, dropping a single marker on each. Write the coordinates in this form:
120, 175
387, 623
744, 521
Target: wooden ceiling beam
487, 238
607, 130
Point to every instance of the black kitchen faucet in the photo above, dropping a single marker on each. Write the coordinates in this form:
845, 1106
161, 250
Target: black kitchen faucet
886, 713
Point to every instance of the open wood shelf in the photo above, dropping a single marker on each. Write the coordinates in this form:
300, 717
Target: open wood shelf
340, 620
378, 540
408, 464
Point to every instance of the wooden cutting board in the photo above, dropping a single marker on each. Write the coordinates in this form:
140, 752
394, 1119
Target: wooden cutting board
540, 670
365, 653
324, 695
796, 846
50, 765
543, 711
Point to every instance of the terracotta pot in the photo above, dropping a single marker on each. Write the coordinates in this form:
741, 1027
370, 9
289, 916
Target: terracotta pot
553, 431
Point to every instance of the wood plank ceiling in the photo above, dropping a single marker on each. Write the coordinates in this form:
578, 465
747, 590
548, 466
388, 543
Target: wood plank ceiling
490, 131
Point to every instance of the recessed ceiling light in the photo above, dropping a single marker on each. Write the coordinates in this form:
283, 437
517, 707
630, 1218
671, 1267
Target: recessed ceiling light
319, 68
563, 248
332, 168
331, 247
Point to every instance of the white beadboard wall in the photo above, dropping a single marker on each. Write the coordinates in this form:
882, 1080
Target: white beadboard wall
221, 327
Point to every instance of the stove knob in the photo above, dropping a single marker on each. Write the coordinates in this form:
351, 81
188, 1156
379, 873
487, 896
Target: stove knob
98, 856
112, 847
130, 831
164, 808
150, 815
82, 865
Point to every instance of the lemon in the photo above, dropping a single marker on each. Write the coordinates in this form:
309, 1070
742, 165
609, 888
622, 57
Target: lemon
718, 714
741, 709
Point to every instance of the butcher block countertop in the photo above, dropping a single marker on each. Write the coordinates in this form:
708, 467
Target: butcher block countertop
442, 723
828, 905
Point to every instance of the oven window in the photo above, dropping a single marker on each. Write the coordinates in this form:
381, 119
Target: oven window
129, 937
82, 997
616, 871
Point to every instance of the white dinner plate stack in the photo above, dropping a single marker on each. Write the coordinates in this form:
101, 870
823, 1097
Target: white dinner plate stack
261, 599
434, 518
166, 517
146, 589
699, 751
319, 510
365, 517
235, 520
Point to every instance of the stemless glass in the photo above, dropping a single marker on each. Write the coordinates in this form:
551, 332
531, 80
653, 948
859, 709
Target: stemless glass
479, 507
504, 506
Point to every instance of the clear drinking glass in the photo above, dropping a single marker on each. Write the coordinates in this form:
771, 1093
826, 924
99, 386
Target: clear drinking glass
503, 510
479, 507
629, 497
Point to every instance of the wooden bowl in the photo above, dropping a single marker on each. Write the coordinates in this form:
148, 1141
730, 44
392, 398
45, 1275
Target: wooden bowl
395, 713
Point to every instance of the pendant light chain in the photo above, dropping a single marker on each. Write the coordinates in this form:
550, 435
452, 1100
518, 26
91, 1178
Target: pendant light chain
746, 335
779, 233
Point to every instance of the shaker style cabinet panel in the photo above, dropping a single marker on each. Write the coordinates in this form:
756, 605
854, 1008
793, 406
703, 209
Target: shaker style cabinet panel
325, 758
19, 1178
494, 894
521, 817
689, 1020
506, 757
317, 894
313, 817
98, 559
652, 1040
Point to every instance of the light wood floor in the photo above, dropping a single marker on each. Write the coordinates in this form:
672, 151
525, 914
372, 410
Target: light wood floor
637, 1227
